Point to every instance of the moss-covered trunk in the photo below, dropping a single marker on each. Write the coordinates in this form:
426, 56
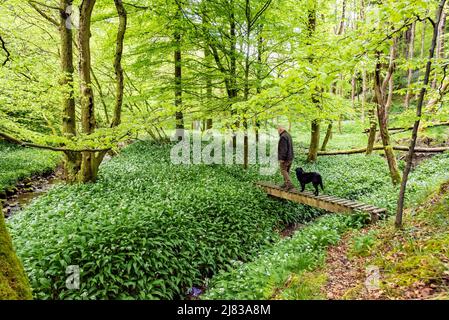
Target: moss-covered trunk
72, 160
13, 281
90, 161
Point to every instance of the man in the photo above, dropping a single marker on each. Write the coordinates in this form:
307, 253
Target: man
285, 156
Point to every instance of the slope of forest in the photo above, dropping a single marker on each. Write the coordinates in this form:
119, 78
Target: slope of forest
283, 272
412, 262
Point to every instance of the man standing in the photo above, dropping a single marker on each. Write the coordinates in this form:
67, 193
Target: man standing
285, 156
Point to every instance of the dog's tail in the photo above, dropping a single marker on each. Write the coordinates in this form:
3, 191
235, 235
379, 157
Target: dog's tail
321, 184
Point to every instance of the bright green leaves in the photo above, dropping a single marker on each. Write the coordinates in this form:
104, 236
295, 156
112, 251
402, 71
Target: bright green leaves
147, 229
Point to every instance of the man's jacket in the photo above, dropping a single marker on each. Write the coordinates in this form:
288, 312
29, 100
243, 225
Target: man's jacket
285, 147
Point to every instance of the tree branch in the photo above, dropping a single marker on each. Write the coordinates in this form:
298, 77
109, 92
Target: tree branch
19, 142
8, 55
42, 13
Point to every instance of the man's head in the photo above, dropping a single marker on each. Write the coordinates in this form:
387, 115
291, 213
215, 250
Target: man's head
281, 129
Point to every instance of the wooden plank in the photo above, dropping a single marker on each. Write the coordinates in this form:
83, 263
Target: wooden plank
347, 203
309, 193
370, 208
327, 198
356, 206
365, 207
339, 201
325, 202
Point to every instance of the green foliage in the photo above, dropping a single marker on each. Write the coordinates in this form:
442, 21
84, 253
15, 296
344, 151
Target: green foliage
415, 257
148, 229
270, 270
362, 244
17, 163
353, 177
366, 179
306, 286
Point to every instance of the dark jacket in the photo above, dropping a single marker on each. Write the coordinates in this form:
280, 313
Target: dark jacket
285, 147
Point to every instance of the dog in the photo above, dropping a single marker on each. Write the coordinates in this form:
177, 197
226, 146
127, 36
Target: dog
309, 177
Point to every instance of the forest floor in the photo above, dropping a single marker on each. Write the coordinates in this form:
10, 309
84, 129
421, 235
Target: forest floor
412, 263
223, 228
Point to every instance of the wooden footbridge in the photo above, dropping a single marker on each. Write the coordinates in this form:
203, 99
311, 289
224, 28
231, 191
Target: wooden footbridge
328, 203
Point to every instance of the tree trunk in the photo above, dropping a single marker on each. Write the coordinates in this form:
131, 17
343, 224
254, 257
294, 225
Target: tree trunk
90, 160
391, 158
315, 124
179, 116
209, 121
232, 92
314, 141
14, 284
423, 37
245, 145
259, 76
327, 137
389, 102
246, 82
372, 131
364, 90
209, 124
72, 160
353, 90
379, 89
400, 207
440, 44
410, 55
118, 63
86, 92
341, 26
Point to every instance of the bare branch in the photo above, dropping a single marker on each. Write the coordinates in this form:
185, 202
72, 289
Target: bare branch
8, 55
35, 4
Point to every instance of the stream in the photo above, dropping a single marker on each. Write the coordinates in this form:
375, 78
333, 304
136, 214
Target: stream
28, 190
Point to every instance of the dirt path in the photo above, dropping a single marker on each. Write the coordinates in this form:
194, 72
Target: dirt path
346, 276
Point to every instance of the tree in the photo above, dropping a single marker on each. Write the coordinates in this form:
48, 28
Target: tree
410, 55
83, 152
382, 111
408, 166
72, 162
315, 124
121, 11
13, 281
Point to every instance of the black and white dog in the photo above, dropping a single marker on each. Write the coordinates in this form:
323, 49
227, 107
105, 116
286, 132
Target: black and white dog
309, 177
